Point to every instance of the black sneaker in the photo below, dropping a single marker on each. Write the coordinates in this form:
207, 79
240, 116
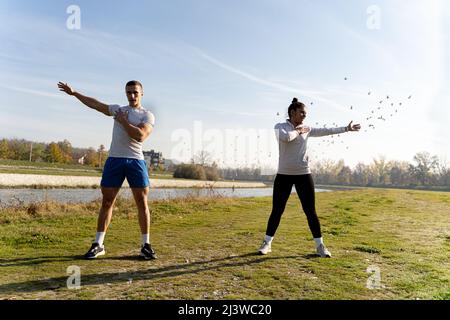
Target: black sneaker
147, 252
95, 251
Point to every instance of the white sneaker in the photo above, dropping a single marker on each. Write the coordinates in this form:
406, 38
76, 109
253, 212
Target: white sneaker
323, 252
266, 247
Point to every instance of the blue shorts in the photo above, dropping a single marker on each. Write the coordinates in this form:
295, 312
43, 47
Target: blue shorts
117, 169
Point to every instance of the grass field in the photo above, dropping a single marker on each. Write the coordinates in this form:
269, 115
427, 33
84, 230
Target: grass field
207, 249
26, 167
59, 169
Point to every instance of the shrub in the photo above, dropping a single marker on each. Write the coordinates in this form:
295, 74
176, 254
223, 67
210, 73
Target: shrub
190, 171
197, 172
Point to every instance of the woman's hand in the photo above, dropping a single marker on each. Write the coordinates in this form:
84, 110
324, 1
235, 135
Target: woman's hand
354, 127
302, 129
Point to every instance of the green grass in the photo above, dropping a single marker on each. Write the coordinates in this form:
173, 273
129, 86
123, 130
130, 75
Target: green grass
23, 163
61, 169
207, 249
52, 172
27, 167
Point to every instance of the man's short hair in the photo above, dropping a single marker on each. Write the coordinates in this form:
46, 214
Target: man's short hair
134, 83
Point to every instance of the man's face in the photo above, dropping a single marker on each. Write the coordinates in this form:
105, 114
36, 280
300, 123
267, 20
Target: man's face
134, 95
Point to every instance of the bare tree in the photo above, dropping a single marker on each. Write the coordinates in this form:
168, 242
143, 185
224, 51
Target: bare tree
381, 170
425, 166
202, 158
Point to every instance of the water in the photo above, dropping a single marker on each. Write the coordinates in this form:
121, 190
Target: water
9, 197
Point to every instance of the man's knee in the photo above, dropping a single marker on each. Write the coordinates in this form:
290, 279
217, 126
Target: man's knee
141, 203
109, 197
107, 202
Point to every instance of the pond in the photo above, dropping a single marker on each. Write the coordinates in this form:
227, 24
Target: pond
9, 197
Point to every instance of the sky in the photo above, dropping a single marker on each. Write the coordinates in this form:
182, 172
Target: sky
218, 75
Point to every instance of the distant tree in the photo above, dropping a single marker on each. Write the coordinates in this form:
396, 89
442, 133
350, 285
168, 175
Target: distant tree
19, 149
91, 158
399, 174
202, 158
256, 174
4, 149
360, 175
54, 153
344, 176
212, 172
443, 170
396, 175
66, 151
38, 152
425, 164
381, 170
102, 155
326, 171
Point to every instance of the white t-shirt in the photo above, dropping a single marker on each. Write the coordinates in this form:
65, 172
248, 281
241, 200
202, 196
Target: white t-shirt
122, 145
293, 156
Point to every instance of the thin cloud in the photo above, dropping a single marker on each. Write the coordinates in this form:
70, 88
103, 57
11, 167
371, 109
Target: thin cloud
34, 92
312, 94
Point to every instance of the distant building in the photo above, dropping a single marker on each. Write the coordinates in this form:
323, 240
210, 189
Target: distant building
81, 160
153, 158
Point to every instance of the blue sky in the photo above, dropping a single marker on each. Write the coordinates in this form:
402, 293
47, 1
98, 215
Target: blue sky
219, 74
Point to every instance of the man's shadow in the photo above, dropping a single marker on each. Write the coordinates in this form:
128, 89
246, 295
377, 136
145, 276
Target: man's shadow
151, 273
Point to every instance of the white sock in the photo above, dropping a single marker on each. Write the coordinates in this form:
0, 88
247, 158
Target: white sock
145, 238
318, 241
100, 237
268, 239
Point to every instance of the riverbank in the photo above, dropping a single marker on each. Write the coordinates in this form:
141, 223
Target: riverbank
386, 244
11, 180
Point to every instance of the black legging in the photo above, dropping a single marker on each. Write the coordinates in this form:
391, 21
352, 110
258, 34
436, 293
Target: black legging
282, 188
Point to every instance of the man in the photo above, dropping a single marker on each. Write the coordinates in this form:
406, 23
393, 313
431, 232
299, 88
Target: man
132, 125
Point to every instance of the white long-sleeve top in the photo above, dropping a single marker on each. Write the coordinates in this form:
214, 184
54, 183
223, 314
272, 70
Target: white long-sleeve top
293, 155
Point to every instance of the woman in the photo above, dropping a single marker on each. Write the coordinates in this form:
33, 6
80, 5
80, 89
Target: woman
293, 169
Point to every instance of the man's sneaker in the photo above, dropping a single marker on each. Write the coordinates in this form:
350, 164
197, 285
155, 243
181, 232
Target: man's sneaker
266, 247
323, 252
95, 251
147, 252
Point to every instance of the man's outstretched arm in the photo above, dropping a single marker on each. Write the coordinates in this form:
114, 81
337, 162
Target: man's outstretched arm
90, 102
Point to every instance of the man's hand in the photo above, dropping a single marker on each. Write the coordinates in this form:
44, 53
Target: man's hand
121, 117
66, 88
354, 127
139, 132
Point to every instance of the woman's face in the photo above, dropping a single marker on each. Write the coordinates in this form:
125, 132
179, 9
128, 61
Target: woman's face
298, 115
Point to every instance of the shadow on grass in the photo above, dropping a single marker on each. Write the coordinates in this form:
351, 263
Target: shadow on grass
145, 274
36, 260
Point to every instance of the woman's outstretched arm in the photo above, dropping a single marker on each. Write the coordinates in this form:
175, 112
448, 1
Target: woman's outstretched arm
320, 132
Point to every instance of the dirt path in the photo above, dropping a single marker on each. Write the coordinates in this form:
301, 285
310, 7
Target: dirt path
11, 180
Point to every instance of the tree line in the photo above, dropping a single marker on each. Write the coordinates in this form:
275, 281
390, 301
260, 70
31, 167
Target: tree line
426, 170
53, 152
202, 167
